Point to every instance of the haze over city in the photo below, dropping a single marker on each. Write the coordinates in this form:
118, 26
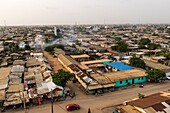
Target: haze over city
50, 12
84, 56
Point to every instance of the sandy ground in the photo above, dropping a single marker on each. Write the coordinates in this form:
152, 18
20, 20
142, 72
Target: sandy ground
53, 61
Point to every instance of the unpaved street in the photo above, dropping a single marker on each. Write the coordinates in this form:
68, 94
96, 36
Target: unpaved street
98, 104
55, 64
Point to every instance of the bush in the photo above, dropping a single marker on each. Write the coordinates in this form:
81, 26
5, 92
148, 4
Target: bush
141, 95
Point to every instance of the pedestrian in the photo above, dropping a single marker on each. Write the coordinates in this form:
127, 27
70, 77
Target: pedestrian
14, 107
89, 111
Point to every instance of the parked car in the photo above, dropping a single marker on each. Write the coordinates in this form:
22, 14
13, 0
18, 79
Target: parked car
71, 107
168, 77
141, 85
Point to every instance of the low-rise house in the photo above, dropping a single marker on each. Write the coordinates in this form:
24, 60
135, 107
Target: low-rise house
19, 62
58, 51
22, 45
92, 62
154, 65
17, 69
45, 88
97, 48
155, 103
36, 53
4, 73
80, 58
119, 66
2, 97
32, 62
83, 49
127, 77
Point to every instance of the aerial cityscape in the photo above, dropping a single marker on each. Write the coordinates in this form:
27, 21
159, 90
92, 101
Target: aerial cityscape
84, 56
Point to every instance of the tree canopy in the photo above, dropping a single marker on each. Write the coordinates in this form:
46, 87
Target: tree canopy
155, 75
120, 47
62, 77
167, 55
153, 46
27, 47
118, 39
144, 41
137, 62
50, 48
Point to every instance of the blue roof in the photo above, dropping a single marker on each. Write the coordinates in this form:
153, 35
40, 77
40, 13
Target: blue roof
120, 66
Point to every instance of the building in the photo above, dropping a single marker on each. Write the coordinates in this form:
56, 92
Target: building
55, 31
119, 66
58, 51
154, 65
127, 77
80, 58
155, 103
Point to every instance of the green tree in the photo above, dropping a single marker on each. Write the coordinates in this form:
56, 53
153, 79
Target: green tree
27, 47
167, 55
155, 75
153, 46
114, 48
144, 41
137, 62
149, 53
62, 77
141, 95
118, 39
60, 46
49, 48
122, 47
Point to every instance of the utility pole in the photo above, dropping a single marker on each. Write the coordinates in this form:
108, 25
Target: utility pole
52, 111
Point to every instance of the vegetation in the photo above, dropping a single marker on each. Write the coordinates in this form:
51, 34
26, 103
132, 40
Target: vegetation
155, 75
142, 47
137, 62
149, 53
117, 39
27, 47
75, 53
51, 47
167, 55
144, 41
153, 46
107, 36
141, 95
62, 77
120, 47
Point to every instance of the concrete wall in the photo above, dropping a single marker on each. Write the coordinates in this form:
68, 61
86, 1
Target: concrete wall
140, 80
131, 81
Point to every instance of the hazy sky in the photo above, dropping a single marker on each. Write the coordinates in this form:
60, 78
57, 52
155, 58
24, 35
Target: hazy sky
34, 12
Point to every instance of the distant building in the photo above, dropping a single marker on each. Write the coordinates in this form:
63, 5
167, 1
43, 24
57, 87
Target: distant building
55, 31
22, 45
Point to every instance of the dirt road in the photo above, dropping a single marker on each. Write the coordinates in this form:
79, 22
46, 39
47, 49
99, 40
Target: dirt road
53, 61
99, 104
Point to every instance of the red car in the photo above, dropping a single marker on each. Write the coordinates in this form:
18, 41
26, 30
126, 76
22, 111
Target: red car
71, 107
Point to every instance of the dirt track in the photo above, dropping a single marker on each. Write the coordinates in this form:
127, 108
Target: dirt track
53, 61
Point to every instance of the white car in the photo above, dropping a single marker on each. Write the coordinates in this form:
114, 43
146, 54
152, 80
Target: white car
168, 77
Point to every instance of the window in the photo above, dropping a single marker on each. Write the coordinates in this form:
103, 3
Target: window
120, 82
138, 78
126, 81
142, 78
